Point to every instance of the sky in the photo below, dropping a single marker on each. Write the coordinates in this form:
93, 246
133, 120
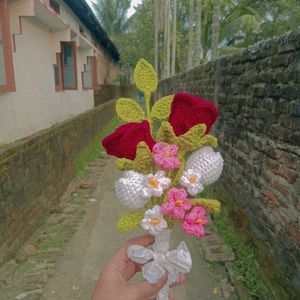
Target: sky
131, 10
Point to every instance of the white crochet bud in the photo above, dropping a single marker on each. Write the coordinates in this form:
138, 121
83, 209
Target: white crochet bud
135, 189
206, 162
129, 189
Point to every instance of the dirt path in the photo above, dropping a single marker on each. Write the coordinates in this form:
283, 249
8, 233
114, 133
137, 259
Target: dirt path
63, 259
95, 241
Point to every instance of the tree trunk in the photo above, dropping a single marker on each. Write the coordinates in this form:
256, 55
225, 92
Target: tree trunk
165, 37
215, 29
168, 39
198, 45
191, 25
174, 33
156, 25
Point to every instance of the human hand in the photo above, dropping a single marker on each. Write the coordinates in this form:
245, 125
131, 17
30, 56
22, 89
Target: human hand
113, 283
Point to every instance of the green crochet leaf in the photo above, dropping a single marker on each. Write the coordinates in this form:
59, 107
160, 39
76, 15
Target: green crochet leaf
161, 108
207, 140
130, 221
166, 133
190, 140
129, 111
142, 163
211, 205
145, 77
124, 164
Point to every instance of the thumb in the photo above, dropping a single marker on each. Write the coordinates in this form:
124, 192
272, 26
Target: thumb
144, 289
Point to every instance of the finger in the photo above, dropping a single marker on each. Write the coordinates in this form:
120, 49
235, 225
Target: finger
171, 297
180, 280
120, 259
145, 240
130, 269
145, 290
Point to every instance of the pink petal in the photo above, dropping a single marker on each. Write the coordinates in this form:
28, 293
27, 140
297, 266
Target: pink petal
159, 147
199, 231
173, 149
187, 204
178, 213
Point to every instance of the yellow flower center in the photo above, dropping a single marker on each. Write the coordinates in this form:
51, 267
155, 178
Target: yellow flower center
179, 202
153, 183
167, 154
198, 221
154, 221
193, 179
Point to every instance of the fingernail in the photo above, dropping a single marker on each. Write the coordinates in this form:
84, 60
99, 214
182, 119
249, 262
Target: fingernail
165, 276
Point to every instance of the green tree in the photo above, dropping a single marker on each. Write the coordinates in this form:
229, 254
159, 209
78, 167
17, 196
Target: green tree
113, 16
215, 29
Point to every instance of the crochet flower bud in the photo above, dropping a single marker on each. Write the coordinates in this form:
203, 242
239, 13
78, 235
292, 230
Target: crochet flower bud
129, 190
206, 162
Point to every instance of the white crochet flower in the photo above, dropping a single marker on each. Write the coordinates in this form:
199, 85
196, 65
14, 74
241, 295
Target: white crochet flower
154, 185
190, 179
129, 189
153, 220
206, 162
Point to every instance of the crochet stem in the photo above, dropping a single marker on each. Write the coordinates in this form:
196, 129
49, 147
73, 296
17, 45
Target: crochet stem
148, 111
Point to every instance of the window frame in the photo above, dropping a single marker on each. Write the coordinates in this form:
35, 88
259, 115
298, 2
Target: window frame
93, 74
9, 86
58, 72
73, 44
55, 6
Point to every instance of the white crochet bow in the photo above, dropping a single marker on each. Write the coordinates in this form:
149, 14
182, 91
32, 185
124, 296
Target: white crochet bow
159, 260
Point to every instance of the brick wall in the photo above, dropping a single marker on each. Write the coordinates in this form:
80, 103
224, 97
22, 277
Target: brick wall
258, 95
34, 172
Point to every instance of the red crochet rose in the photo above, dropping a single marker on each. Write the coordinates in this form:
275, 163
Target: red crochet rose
123, 141
188, 111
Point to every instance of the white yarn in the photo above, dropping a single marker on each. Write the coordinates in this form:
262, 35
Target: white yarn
129, 189
206, 162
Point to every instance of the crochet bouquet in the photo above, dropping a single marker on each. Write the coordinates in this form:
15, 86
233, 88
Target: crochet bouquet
168, 159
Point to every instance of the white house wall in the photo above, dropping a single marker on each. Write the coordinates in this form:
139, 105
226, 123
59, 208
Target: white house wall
35, 104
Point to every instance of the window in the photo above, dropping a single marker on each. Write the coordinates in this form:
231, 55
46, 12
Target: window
55, 6
58, 73
89, 76
68, 65
81, 30
7, 83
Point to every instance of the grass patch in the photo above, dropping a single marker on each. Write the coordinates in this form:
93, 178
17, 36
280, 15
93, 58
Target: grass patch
245, 263
94, 149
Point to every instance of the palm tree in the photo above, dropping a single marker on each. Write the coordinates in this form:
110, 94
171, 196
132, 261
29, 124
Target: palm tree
166, 67
156, 30
168, 54
174, 34
112, 15
198, 47
191, 26
215, 29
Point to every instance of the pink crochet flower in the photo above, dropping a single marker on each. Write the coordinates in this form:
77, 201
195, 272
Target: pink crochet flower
194, 221
177, 203
165, 156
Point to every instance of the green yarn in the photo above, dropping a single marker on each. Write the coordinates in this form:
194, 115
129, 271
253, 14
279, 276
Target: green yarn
130, 221
129, 111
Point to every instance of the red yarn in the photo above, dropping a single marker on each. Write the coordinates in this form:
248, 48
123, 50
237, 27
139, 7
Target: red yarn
188, 111
123, 141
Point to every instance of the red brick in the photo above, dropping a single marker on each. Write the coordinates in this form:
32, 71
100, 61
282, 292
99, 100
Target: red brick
272, 165
281, 187
290, 160
270, 196
289, 174
294, 231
